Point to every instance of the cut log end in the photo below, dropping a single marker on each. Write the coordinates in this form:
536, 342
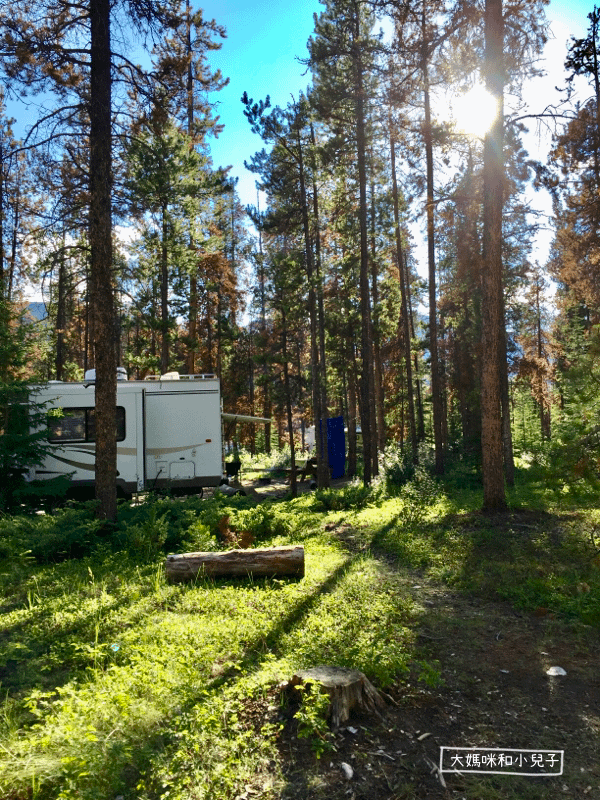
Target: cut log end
347, 689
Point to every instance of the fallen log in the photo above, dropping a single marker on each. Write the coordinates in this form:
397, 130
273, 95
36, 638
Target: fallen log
347, 689
259, 562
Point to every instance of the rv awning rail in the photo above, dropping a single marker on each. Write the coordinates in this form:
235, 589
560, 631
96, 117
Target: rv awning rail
243, 418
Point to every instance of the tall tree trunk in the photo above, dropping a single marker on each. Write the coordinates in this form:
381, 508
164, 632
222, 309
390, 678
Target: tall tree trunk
323, 466
100, 226
405, 316
366, 340
219, 333
507, 440
352, 410
193, 307
436, 389
193, 319
61, 316
288, 402
209, 333
494, 498
320, 423
164, 294
267, 404
378, 417
420, 411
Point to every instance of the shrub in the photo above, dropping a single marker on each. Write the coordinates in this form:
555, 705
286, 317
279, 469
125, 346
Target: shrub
352, 497
263, 522
398, 466
417, 496
68, 533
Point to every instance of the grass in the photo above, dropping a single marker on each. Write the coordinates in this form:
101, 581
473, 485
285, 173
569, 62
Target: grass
116, 683
105, 665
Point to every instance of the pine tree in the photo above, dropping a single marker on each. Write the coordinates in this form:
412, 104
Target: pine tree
166, 178
342, 57
47, 48
286, 176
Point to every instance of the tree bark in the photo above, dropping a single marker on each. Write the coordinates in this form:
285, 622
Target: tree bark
100, 229
323, 479
352, 409
347, 689
405, 317
507, 439
258, 562
316, 375
494, 497
366, 339
378, 416
436, 389
61, 315
288, 401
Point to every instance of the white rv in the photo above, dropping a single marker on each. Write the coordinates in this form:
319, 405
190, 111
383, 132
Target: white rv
168, 432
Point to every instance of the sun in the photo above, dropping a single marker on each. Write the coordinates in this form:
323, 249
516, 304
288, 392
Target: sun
475, 111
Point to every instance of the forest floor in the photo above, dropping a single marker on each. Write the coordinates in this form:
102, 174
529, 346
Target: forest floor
117, 683
494, 692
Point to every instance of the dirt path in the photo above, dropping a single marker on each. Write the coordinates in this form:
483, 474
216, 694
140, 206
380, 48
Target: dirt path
495, 693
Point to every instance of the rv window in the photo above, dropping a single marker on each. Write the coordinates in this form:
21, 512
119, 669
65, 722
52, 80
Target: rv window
79, 425
91, 425
69, 426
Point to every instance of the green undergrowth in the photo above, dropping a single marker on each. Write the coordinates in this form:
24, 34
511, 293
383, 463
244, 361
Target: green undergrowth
543, 554
116, 683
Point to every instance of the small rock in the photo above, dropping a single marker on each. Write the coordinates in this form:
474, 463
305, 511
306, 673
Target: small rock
347, 770
555, 671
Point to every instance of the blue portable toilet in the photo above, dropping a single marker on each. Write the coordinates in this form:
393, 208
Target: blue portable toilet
336, 444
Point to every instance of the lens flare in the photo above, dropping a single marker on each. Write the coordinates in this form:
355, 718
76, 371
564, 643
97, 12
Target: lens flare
474, 112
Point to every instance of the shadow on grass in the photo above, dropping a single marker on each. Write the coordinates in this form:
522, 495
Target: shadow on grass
496, 692
535, 559
48, 621
117, 760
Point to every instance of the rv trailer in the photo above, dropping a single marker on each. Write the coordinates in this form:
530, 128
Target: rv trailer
168, 432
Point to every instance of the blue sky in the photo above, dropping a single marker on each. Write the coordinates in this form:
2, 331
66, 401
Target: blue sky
260, 54
259, 57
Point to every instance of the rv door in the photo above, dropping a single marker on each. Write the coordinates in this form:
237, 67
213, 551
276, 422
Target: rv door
140, 435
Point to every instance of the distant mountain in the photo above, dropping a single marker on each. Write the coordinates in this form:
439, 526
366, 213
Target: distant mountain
37, 311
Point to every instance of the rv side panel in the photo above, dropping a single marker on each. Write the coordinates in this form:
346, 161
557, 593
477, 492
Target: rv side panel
183, 437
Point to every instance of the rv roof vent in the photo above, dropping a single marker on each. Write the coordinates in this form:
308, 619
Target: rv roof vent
170, 376
90, 374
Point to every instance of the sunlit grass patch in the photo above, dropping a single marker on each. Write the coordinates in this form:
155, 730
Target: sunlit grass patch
118, 683
128, 665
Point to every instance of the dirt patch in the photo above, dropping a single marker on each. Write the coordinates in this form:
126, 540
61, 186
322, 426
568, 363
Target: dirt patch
277, 487
495, 693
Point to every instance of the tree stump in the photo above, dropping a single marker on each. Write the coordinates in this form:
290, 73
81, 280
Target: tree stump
347, 689
259, 562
